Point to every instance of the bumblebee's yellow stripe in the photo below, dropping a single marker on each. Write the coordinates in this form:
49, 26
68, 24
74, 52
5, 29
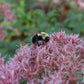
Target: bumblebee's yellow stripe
43, 35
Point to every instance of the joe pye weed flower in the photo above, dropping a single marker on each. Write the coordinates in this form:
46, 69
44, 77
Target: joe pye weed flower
56, 62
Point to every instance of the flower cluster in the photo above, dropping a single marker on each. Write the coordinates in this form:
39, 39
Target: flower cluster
80, 4
56, 62
5, 9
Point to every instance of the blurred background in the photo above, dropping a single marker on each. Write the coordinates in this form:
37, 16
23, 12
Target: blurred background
21, 19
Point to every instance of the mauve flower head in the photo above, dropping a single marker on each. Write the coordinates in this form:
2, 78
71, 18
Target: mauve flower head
5, 9
4, 6
55, 62
56, 1
9, 16
80, 4
15, 31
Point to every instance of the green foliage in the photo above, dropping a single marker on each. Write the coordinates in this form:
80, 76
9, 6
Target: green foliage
24, 82
78, 74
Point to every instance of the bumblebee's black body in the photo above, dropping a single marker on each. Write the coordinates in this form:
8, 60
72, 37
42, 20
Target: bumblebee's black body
40, 37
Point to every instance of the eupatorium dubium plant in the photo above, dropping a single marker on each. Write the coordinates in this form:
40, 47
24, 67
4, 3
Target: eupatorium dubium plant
5, 10
56, 62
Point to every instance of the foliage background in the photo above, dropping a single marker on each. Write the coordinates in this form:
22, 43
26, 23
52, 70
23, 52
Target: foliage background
36, 16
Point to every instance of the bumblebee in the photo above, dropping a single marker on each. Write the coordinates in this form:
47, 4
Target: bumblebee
44, 37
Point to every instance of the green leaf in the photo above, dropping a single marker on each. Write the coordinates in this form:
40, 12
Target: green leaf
14, 45
24, 82
67, 30
6, 24
74, 17
57, 26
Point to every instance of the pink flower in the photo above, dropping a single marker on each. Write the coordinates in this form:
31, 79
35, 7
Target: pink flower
5, 9
4, 6
9, 16
80, 4
56, 1
56, 62
15, 31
